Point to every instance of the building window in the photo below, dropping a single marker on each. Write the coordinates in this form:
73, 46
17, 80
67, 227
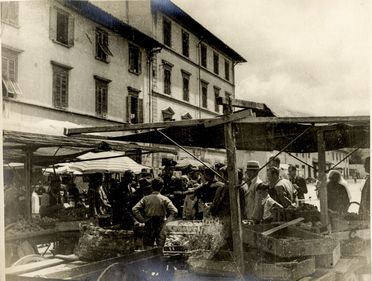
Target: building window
134, 59
186, 116
102, 45
216, 95
167, 77
227, 70
10, 12
168, 114
186, 85
61, 27
204, 87
60, 85
216, 63
9, 71
203, 54
101, 96
185, 43
167, 32
134, 106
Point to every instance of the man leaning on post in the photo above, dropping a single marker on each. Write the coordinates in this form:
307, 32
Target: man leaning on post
152, 211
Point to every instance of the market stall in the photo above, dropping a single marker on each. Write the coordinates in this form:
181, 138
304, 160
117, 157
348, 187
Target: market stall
246, 130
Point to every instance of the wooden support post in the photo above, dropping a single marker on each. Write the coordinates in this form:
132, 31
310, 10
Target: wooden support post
322, 177
236, 224
28, 182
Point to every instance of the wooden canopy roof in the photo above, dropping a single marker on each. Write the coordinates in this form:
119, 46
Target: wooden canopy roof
50, 149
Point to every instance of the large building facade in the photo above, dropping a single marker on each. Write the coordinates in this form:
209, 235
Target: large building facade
65, 61
107, 62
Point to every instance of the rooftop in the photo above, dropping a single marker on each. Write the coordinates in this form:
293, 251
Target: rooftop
173, 11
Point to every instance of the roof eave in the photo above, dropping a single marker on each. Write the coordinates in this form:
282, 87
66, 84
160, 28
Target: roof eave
172, 10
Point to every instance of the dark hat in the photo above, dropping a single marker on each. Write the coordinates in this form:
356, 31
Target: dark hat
253, 165
144, 182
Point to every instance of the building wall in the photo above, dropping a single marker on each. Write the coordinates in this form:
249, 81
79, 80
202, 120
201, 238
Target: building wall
38, 50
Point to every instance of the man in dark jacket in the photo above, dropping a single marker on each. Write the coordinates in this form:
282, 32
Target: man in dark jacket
299, 183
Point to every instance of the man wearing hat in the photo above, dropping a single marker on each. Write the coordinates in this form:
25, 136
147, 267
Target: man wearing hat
281, 190
248, 191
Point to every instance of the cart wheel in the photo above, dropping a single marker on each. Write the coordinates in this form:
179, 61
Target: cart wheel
28, 259
119, 272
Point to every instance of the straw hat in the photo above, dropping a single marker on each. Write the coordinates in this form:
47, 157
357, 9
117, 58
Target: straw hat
253, 165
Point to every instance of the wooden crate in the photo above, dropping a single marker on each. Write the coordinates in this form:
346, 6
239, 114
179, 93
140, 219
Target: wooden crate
283, 271
288, 242
320, 275
330, 260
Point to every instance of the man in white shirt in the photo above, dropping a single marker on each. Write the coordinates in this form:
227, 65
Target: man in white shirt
248, 190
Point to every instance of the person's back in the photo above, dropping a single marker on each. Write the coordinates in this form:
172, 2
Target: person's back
337, 197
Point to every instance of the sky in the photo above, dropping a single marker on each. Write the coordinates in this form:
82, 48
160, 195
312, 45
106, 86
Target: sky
304, 56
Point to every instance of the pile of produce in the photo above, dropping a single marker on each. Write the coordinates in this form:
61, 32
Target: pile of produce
307, 211
73, 214
45, 222
98, 243
208, 240
176, 240
22, 226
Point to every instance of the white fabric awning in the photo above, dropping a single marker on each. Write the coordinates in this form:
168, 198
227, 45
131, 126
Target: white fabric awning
119, 164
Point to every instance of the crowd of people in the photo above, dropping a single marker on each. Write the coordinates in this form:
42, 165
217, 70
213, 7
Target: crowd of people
197, 193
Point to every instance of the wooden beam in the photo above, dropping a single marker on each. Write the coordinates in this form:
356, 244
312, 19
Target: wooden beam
134, 127
28, 182
236, 223
308, 120
229, 118
240, 103
323, 178
283, 225
32, 266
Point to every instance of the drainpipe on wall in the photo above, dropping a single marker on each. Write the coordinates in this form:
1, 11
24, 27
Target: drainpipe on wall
199, 82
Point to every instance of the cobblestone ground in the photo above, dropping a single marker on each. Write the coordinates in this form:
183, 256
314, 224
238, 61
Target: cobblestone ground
354, 191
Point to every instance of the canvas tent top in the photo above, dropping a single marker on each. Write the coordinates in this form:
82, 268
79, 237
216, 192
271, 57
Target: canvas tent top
50, 145
267, 133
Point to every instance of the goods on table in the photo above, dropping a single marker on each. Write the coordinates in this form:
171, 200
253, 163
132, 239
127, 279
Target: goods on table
23, 226
71, 214
201, 238
45, 222
307, 211
98, 243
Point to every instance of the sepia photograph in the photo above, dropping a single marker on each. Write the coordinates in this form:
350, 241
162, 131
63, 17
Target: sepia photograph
185, 140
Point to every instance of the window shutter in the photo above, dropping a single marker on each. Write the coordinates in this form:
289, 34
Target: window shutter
140, 111
64, 92
5, 68
98, 100
104, 101
12, 69
56, 89
129, 109
139, 60
71, 30
52, 23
